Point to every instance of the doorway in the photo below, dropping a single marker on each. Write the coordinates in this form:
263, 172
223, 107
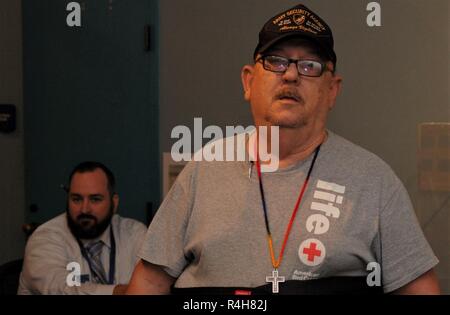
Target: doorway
91, 93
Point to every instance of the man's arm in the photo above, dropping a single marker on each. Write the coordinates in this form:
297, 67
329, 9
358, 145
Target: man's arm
120, 289
149, 279
425, 284
45, 268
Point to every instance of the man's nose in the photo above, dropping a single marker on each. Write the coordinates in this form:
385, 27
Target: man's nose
291, 74
85, 206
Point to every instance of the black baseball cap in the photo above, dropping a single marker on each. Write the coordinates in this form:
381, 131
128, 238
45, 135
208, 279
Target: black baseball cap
301, 22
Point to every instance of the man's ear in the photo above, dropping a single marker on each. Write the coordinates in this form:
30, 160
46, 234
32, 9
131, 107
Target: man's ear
115, 200
247, 78
335, 89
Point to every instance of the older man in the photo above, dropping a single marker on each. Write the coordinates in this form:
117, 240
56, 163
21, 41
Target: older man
329, 213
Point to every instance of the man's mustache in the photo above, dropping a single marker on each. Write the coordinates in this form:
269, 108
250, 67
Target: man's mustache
289, 93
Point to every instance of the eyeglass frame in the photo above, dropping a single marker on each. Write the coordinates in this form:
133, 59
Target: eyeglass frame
295, 61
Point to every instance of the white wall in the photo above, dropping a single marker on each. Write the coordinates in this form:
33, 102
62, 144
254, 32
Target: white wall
12, 194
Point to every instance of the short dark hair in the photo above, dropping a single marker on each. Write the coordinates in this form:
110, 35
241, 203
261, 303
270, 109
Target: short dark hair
90, 166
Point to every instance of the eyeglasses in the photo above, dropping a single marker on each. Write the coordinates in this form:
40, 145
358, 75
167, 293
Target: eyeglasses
278, 64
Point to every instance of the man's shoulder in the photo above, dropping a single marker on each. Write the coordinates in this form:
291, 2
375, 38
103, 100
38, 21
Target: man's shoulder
354, 154
129, 225
54, 232
57, 224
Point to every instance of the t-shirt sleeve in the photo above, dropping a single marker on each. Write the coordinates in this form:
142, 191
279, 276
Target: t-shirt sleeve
135, 237
405, 253
165, 238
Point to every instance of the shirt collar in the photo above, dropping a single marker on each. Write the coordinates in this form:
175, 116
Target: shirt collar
105, 237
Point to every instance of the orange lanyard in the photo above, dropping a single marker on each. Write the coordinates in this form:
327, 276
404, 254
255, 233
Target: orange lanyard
277, 262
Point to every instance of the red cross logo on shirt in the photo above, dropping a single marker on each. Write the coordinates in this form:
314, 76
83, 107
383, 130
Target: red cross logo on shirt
312, 252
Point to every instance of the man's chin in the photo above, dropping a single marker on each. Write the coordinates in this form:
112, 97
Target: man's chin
87, 232
286, 122
86, 224
87, 229
285, 118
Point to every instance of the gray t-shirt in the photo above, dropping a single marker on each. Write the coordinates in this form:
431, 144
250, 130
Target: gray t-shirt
210, 230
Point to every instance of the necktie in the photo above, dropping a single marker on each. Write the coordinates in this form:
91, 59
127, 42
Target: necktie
94, 250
